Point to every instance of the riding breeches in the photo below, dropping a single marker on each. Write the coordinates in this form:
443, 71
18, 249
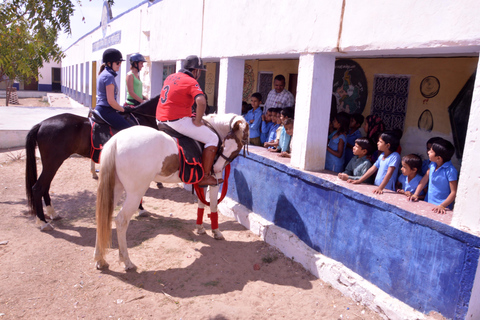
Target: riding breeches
111, 116
186, 127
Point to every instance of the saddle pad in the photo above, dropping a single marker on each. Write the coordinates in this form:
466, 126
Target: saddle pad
100, 134
190, 155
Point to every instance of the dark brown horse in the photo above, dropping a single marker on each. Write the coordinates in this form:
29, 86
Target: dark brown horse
57, 139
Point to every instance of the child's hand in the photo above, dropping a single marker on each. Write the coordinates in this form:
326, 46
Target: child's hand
353, 181
440, 209
378, 191
263, 117
284, 154
413, 198
343, 176
400, 191
273, 150
407, 193
251, 121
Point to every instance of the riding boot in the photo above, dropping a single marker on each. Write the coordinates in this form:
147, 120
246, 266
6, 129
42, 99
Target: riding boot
208, 156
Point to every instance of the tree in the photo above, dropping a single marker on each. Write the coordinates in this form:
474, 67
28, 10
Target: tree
28, 33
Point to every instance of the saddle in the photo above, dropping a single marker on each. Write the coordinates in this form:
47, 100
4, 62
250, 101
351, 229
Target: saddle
190, 155
102, 131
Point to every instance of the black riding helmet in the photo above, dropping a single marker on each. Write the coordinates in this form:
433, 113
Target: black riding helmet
135, 59
112, 55
193, 62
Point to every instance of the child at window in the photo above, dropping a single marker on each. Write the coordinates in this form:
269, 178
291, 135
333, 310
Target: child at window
266, 126
387, 164
359, 164
337, 141
289, 131
410, 178
426, 163
442, 177
285, 136
274, 135
254, 119
356, 121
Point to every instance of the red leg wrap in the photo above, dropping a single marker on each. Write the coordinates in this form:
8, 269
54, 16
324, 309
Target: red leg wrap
200, 215
214, 220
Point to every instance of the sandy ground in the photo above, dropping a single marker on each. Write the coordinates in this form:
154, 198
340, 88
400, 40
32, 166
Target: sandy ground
180, 275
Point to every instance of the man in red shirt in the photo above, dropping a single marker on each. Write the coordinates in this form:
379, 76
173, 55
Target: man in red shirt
180, 91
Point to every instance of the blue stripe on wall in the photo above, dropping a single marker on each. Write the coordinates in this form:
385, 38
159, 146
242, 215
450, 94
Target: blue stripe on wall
44, 87
422, 262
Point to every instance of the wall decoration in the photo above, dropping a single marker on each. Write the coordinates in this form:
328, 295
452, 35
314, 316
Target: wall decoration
265, 81
248, 80
389, 100
459, 112
349, 86
429, 87
425, 121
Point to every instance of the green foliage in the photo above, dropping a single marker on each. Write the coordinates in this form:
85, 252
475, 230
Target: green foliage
28, 33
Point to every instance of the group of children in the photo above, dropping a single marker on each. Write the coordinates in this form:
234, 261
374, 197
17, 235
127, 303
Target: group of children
272, 129
434, 180
372, 159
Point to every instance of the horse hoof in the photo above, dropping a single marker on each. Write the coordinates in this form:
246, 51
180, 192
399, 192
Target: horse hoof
200, 229
101, 264
130, 267
143, 213
218, 235
46, 227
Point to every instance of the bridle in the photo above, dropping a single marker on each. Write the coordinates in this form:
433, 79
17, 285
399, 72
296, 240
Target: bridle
230, 135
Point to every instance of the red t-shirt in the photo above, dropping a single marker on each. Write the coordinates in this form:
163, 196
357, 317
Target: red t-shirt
177, 97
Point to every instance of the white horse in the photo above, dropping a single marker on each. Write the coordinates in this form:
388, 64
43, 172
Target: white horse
133, 158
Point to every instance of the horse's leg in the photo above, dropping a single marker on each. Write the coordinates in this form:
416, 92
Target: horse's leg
92, 170
200, 210
122, 221
213, 192
41, 188
141, 210
48, 204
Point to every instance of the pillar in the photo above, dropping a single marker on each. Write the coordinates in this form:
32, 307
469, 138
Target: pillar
230, 88
312, 111
178, 65
156, 79
466, 213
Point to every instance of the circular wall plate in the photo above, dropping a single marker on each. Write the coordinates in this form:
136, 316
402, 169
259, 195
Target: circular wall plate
429, 87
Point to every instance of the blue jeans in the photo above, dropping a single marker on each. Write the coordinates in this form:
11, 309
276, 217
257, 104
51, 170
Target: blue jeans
112, 117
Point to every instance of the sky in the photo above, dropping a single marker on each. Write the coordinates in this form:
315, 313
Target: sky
92, 11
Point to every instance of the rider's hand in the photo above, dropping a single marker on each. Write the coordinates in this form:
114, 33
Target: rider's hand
196, 122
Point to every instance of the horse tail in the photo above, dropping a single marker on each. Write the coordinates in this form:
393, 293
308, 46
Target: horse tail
105, 197
31, 165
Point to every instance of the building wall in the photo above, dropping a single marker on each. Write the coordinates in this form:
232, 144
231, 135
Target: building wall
427, 264
424, 263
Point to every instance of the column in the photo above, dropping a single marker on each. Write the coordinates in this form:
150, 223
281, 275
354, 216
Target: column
466, 213
312, 111
230, 88
179, 65
156, 79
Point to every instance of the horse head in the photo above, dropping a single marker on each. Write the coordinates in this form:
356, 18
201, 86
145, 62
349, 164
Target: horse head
234, 132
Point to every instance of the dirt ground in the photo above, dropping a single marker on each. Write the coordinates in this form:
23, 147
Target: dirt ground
28, 102
180, 275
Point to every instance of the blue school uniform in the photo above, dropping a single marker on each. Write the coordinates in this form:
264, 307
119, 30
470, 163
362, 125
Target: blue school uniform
411, 185
393, 160
272, 134
425, 166
266, 126
284, 142
332, 162
256, 116
351, 140
439, 182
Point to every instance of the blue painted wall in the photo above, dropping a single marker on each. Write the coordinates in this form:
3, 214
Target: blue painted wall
44, 87
424, 263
